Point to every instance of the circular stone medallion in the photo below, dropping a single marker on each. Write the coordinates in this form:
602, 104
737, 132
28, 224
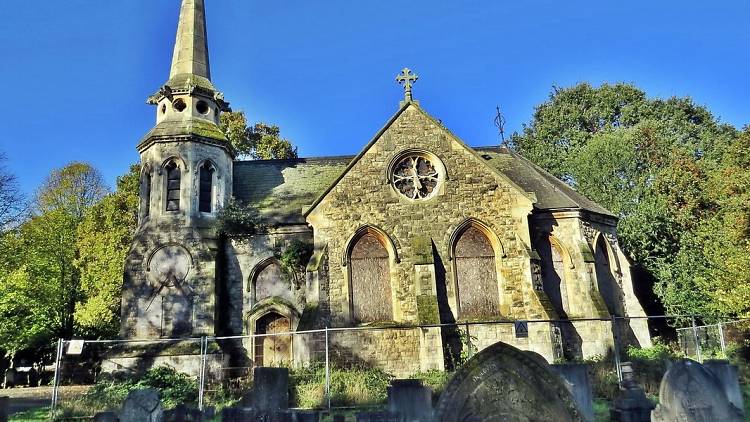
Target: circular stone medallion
170, 264
415, 176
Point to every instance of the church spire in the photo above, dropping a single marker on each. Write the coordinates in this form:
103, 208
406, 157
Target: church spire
191, 46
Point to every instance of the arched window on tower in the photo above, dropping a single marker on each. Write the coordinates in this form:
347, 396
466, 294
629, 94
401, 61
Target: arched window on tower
553, 274
370, 280
206, 188
609, 288
476, 275
173, 186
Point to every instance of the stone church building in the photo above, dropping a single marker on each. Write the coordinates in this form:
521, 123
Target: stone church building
416, 229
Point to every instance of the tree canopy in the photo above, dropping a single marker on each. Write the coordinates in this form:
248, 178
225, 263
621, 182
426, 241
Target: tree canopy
656, 164
260, 141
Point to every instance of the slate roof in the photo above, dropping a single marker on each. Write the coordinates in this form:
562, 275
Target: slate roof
282, 190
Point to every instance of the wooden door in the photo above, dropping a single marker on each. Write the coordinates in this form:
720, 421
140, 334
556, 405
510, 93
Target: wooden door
273, 350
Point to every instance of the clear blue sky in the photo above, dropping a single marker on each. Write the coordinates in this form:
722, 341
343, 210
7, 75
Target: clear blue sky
76, 73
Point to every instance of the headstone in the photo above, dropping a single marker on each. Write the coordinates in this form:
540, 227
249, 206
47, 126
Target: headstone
4, 409
339, 418
381, 416
142, 406
691, 393
504, 383
106, 417
729, 379
270, 391
10, 378
631, 404
576, 378
304, 416
410, 400
183, 413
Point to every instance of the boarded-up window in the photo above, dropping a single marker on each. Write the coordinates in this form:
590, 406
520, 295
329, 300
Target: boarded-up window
173, 187
553, 275
370, 281
272, 282
206, 188
608, 286
476, 275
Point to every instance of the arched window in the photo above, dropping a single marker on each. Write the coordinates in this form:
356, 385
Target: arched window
173, 186
608, 286
553, 274
476, 275
206, 177
370, 287
270, 281
146, 194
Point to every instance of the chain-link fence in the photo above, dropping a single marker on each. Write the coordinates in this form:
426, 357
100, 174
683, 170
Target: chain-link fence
343, 367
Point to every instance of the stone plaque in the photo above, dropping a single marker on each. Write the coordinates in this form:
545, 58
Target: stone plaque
502, 383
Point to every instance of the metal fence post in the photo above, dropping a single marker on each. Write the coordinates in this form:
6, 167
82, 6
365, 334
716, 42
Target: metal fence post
722, 342
56, 380
697, 340
328, 373
202, 374
616, 340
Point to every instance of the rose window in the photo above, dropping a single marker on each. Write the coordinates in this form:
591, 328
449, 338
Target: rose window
415, 177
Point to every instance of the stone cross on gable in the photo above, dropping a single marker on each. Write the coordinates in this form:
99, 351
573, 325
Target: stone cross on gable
407, 79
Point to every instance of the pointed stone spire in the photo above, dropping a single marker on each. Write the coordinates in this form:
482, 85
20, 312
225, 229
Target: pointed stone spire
191, 46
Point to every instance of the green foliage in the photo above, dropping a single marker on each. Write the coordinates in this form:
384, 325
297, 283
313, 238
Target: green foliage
294, 258
435, 379
260, 141
103, 240
33, 415
237, 219
349, 386
11, 198
650, 364
174, 388
665, 168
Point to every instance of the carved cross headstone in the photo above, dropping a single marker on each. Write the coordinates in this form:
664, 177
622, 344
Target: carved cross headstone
407, 78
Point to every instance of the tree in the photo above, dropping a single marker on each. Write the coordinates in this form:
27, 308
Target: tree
103, 240
72, 190
11, 200
260, 141
648, 161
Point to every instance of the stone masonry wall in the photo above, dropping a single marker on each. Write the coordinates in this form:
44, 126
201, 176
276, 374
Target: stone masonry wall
472, 190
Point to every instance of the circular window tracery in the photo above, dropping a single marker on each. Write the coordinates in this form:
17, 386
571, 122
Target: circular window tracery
416, 176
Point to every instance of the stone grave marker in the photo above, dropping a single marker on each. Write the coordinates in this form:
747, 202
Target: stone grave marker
10, 378
106, 417
270, 391
691, 393
504, 383
631, 404
577, 380
183, 413
410, 400
729, 378
4, 409
378, 416
142, 406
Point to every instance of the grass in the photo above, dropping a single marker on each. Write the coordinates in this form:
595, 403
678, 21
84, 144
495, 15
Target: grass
33, 415
601, 409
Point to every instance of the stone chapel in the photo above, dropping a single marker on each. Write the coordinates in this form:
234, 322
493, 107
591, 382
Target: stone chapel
418, 229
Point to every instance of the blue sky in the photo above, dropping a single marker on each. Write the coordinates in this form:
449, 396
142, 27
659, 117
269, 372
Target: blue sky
76, 73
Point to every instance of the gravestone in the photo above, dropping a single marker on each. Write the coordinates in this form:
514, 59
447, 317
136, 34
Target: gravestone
410, 400
504, 383
142, 406
631, 404
304, 416
10, 378
4, 409
378, 416
270, 391
106, 417
339, 418
691, 393
577, 380
729, 379
183, 413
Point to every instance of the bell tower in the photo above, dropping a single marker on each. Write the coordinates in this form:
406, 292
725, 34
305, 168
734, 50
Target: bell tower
186, 177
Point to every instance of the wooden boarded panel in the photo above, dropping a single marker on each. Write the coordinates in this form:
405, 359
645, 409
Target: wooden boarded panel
476, 275
273, 350
370, 281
